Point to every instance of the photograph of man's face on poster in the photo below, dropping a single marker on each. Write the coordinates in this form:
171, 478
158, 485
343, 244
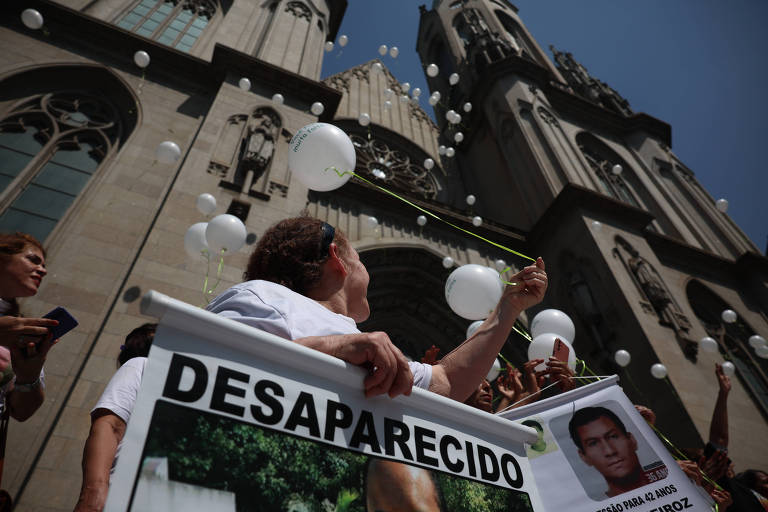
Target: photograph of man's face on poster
605, 451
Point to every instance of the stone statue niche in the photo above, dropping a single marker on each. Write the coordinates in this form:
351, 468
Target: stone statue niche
256, 150
656, 297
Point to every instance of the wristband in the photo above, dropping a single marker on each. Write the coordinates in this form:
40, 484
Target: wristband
28, 387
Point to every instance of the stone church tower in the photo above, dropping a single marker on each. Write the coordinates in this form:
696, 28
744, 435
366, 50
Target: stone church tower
638, 254
80, 123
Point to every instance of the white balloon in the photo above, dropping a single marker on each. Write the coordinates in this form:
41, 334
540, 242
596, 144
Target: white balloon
616, 169
728, 316
32, 18
436, 94
432, 70
141, 58
494, 371
278, 98
194, 240
542, 347
364, 119
728, 369
757, 341
388, 93
762, 352
329, 46
472, 291
429, 163
373, 222
449, 115
206, 203
473, 327
553, 320
379, 174
447, 262
622, 358
707, 344
433, 101
477, 221
383, 50
225, 232
441, 150
467, 107
343, 40
313, 153
455, 119
416, 92
244, 84
449, 152
387, 105
500, 265
421, 220
471, 199
659, 371
168, 152
597, 225
406, 86
394, 52
453, 79
721, 205
458, 137
317, 108
404, 99
377, 67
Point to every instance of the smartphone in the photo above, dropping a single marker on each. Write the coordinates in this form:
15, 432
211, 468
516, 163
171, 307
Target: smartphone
560, 350
66, 321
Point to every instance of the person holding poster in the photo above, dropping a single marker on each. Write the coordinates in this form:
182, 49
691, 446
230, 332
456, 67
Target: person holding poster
307, 284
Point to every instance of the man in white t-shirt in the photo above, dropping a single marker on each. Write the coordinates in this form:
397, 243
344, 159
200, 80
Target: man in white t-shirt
307, 284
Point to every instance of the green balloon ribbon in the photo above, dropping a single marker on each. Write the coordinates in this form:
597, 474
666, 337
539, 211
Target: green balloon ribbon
206, 291
424, 210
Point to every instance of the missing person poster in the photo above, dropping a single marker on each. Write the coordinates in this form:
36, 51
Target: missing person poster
229, 418
595, 453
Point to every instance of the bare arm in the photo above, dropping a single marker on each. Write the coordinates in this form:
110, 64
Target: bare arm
718, 429
23, 404
107, 430
459, 372
388, 367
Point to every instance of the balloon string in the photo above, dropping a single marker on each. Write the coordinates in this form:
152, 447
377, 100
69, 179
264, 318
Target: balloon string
207, 292
423, 210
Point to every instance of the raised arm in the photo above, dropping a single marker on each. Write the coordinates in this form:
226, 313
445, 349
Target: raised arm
107, 430
718, 429
459, 372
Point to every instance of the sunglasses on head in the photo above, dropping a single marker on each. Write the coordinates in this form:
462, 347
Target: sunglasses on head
325, 243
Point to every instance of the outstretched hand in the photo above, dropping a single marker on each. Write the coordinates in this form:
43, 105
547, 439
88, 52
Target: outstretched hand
722, 380
28, 365
15, 328
529, 287
561, 373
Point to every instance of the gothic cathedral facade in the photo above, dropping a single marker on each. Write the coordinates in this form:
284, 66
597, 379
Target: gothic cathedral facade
640, 259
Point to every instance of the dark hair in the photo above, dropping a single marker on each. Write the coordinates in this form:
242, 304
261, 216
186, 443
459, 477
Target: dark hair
749, 478
292, 252
14, 243
588, 415
137, 343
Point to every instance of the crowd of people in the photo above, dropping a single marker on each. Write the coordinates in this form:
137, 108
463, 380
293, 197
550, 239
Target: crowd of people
305, 283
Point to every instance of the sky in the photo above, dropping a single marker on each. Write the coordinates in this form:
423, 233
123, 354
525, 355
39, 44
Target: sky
699, 65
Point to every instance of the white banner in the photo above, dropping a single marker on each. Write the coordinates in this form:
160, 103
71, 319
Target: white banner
595, 453
230, 417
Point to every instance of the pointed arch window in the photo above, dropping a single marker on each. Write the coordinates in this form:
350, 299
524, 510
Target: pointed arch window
732, 340
50, 146
176, 23
601, 160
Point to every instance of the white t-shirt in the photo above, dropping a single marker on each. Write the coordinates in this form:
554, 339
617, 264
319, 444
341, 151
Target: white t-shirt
280, 311
120, 394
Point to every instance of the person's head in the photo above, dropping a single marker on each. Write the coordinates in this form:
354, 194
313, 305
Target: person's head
482, 397
755, 479
604, 443
22, 265
137, 343
312, 258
